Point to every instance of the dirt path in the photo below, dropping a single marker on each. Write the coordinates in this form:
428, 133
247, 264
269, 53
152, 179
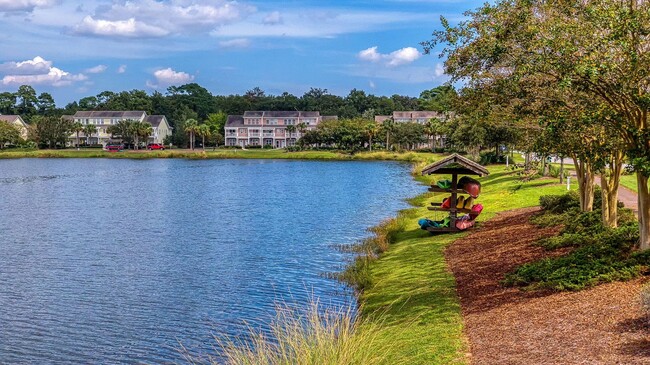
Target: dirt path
625, 195
603, 325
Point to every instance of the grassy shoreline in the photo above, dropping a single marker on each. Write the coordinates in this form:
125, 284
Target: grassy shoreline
410, 295
223, 154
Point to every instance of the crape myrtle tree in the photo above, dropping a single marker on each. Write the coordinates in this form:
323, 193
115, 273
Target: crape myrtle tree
8, 133
600, 47
52, 131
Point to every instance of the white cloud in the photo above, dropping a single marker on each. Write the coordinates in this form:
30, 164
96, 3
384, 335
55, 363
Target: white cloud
440, 70
36, 65
400, 57
403, 56
119, 28
151, 18
96, 70
372, 84
167, 77
235, 43
370, 54
37, 71
25, 5
273, 18
121, 69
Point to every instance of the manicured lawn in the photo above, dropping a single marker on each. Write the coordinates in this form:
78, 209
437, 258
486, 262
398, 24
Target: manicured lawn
413, 296
629, 181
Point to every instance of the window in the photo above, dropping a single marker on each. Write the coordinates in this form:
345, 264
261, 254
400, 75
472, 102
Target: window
289, 121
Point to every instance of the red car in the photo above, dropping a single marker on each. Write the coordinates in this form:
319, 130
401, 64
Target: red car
114, 147
155, 146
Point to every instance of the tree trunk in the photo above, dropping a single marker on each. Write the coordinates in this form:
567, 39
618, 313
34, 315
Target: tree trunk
561, 169
585, 174
644, 211
77, 141
203, 138
387, 148
609, 182
370, 144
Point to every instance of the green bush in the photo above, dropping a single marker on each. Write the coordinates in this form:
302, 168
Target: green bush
560, 203
267, 147
487, 158
608, 256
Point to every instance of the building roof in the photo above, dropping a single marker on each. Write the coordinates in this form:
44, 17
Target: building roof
455, 164
154, 120
10, 118
235, 121
281, 114
133, 114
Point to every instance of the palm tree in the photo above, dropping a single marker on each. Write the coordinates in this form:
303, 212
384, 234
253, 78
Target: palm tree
191, 126
290, 129
77, 128
203, 130
302, 127
371, 130
88, 130
431, 129
144, 130
388, 125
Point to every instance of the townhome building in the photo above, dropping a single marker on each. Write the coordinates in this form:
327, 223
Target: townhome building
102, 120
270, 128
420, 117
18, 122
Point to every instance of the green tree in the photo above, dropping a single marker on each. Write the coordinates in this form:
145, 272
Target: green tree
388, 127
8, 133
599, 47
89, 130
371, 129
122, 130
203, 131
190, 127
52, 131
77, 128
26, 95
140, 132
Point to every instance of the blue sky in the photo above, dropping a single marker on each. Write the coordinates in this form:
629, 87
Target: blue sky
73, 49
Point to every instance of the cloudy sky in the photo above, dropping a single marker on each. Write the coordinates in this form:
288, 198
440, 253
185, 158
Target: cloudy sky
75, 48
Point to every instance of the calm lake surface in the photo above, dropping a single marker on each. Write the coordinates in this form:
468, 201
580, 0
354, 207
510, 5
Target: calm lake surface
120, 261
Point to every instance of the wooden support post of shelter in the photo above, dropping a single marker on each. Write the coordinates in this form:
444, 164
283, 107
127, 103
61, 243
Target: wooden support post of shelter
454, 165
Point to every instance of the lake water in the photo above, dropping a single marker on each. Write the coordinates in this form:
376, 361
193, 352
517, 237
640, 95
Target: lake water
120, 261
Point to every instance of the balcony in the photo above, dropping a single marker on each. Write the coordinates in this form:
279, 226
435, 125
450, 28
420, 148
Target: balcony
269, 135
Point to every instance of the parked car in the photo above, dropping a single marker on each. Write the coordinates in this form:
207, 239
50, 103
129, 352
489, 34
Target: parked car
155, 146
114, 147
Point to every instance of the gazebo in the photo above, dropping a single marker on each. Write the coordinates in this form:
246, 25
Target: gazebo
454, 165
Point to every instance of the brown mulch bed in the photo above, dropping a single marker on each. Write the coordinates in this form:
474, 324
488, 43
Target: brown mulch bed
602, 325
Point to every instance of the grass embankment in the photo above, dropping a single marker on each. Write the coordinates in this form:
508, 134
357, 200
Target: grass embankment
222, 154
409, 291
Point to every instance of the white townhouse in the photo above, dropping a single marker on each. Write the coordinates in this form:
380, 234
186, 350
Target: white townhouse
269, 128
102, 120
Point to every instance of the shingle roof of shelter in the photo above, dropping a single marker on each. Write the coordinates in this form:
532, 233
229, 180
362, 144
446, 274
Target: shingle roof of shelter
134, 114
455, 164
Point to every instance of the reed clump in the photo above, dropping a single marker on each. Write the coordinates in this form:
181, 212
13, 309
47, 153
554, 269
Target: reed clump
302, 337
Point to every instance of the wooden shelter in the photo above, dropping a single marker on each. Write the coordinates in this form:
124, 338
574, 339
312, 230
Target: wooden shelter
454, 165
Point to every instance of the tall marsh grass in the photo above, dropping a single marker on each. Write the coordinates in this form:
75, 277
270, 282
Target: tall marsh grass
308, 337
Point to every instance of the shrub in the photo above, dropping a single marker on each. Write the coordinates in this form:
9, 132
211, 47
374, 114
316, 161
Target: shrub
608, 257
293, 148
267, 147
560, 203
487, 158
253, 147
